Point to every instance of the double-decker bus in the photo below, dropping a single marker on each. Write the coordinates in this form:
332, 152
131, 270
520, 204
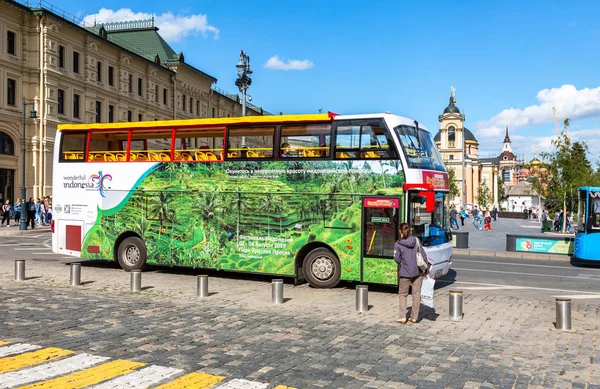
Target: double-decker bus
315, 197
587, 238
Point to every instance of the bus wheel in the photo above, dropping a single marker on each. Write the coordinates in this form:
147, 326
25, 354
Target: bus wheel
321, 268
132, 253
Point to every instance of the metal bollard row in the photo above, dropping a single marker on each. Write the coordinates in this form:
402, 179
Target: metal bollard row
136, 280
75, 274
202, 286
563, 314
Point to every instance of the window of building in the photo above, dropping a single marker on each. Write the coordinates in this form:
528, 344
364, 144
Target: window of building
75, 62
140, 117
183, 100
61, 57
451, 157
111, 112
98, 111
99, 71
305, 141
198, 108
156, 93
11, 43
214, 112
130, 83
191, 105
11, 92
76, 106
165, 96
140, 87
129, 116
111, 71
7, 145
61, 101
250, 143
451, 134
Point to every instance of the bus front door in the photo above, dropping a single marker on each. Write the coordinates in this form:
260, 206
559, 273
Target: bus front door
381, 217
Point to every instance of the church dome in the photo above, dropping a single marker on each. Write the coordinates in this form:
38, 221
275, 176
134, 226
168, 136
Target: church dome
535, 161
452, 108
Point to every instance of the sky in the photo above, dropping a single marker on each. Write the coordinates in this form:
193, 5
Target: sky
509, 61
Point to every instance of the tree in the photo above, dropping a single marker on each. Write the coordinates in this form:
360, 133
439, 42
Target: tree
569, 169
454, 190
501, 191
483, 195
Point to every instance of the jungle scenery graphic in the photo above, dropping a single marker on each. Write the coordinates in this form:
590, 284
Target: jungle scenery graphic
248, 216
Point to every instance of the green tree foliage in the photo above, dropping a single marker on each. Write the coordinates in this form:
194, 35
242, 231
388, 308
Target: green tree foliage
484, 197
454, 189
569, 169
501, 191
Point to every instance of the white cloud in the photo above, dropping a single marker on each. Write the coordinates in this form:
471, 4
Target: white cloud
291, 64
172, 27
568, 101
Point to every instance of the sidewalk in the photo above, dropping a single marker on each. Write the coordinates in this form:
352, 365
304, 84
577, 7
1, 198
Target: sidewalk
14, 230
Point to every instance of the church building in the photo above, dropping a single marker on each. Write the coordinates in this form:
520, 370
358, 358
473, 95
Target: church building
460, 150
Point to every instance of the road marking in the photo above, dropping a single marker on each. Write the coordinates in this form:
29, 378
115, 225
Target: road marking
193, 381
283, 387
243, 384
31, 358
492, 287
44, 253
148, 376
580, 296
27, 248
520, 274
16, 244
46, 244
48, 370
17, 349
523, 264
516, 286
87, 377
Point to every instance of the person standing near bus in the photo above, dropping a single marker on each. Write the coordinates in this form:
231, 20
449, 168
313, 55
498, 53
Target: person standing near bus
453, 217
488, 221
6, 213
18, 207
463, 216
31, 213
405, 254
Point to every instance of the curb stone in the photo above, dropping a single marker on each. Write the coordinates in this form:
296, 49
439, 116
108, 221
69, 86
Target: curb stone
512, 254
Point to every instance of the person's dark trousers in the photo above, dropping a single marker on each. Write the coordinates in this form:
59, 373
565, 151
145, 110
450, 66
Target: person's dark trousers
30, 219
462, 221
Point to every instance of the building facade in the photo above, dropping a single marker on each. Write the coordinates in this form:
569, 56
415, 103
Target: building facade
71, 73
460, 150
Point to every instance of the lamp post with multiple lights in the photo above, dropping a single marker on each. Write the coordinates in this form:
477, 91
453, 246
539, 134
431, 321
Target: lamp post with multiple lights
243, 81
32, 115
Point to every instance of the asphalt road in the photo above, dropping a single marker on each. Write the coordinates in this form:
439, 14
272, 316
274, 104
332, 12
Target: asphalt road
489, 275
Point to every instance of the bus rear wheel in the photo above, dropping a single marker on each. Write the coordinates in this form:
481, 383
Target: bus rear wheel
321, 268
132, 253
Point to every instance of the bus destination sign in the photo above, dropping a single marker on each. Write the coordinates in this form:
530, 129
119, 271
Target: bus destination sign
370, 202
439, 180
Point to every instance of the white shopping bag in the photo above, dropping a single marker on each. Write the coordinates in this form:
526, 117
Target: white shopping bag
427, 291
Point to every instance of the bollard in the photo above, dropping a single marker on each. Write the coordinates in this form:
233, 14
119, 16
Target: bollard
456, 305
20, 270
563, 314
362, 298
202, 286
75, 274
277, 291
136, 280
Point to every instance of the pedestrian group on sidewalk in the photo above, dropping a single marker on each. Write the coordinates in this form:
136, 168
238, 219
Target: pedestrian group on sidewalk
38, 212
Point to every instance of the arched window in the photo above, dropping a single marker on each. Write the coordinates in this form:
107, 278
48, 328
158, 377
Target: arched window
451, 134
6, 144
506, 175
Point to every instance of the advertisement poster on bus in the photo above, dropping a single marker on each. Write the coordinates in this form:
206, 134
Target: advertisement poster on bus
545, 246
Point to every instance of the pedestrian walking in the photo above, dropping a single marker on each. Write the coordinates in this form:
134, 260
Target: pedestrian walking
477, 219
544, 218
495, 213
6, 208
31, 213
17, 210
463, 216
453, 217
409, 275
42, 212
488, 221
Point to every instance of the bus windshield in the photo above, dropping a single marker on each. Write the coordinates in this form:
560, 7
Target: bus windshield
419, 150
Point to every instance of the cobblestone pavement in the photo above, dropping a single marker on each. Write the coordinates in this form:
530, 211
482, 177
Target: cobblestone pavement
315, 339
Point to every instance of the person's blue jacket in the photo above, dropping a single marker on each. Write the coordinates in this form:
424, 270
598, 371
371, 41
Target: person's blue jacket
17, 207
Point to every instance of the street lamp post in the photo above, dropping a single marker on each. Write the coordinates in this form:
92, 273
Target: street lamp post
243, 81
32, 115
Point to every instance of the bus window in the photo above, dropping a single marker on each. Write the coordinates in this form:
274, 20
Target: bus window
595, 215
581, 211
250, 143
107, 146
72, 147
305, 141
150, 146
202, 144
363, 142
